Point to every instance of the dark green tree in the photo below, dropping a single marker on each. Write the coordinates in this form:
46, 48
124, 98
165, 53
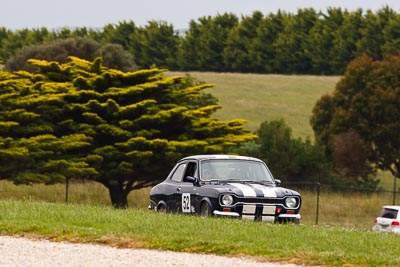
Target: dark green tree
372, 33
204, 42
13, 41
320, 41
391, 35
239, 53
365, 102
123, 34
263, 50
124, 130
60, 50
157, 45
290, 159
291, 44
345, 41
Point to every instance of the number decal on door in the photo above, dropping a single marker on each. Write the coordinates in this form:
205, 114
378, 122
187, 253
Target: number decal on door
185, 202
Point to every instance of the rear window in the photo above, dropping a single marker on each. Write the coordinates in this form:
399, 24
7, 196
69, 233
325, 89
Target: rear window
389, 213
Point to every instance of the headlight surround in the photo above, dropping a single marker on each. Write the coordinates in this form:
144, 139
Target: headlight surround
290, 202
227, 200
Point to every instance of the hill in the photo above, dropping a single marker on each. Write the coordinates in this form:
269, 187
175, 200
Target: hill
260, 97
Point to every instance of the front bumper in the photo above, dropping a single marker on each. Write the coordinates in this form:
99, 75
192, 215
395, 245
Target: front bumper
226, 213
280, 217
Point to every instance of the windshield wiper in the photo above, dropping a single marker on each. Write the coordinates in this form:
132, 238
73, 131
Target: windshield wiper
257, 181
233, 180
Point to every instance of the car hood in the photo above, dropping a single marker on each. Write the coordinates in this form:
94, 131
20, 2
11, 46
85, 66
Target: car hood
252, 189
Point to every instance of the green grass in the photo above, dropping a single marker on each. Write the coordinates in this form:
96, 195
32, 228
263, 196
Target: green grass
261, 97
349, 210
302, 244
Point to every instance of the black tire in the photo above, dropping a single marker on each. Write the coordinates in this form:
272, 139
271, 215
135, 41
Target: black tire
205, 210
162, 208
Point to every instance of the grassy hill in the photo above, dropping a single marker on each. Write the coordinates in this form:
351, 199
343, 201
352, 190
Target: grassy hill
260, 97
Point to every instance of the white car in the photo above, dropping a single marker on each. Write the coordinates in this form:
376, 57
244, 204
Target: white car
388, 220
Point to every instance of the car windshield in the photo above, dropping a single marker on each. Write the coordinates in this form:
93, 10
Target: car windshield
235, 170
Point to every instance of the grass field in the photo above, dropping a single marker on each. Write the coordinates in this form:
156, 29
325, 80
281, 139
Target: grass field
260, 97
349, 210
301, 244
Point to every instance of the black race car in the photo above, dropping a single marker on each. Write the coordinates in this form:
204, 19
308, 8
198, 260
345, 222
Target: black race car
225, 185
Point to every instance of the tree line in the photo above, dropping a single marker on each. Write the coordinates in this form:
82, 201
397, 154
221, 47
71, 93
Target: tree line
307, 42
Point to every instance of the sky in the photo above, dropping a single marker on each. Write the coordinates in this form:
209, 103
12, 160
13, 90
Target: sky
54, 14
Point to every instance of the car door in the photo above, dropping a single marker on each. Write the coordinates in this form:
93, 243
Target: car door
185, 195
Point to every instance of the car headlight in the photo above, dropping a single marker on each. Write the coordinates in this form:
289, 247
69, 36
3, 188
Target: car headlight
227, 200
290, 202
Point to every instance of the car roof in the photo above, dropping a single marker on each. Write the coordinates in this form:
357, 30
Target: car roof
391, 207
219, 156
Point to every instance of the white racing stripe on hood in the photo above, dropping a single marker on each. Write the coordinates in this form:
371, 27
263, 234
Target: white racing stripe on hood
247, 190
267, 191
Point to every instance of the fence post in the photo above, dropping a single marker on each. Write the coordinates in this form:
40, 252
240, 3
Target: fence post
317, 209
394, 190
66, 189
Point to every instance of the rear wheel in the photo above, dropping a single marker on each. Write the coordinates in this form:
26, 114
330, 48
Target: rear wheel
205, 210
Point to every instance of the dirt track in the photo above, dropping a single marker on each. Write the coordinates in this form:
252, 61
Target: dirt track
34, 253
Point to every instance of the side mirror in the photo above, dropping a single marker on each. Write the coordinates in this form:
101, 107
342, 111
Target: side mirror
278, 182
191, 179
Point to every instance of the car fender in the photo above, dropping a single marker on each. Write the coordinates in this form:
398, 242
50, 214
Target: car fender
205, 199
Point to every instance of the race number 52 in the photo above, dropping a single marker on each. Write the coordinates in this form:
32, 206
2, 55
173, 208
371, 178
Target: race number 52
185, 202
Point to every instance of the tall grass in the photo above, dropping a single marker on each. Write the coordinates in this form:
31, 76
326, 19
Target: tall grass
350, 210
142, 229
87, 193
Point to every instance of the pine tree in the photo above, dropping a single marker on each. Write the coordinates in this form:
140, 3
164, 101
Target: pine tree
121, 129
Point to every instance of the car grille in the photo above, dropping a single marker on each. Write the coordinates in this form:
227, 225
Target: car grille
258, 200
262, 201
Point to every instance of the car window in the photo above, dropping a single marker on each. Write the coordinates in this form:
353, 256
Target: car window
389, 213
178, 174
190, 170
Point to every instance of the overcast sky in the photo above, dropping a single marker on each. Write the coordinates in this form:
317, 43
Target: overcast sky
53, 14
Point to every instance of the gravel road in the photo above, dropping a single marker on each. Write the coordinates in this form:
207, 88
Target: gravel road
23, 252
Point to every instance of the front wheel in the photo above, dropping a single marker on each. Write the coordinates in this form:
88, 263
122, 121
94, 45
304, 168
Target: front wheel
205, 210
162, 208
